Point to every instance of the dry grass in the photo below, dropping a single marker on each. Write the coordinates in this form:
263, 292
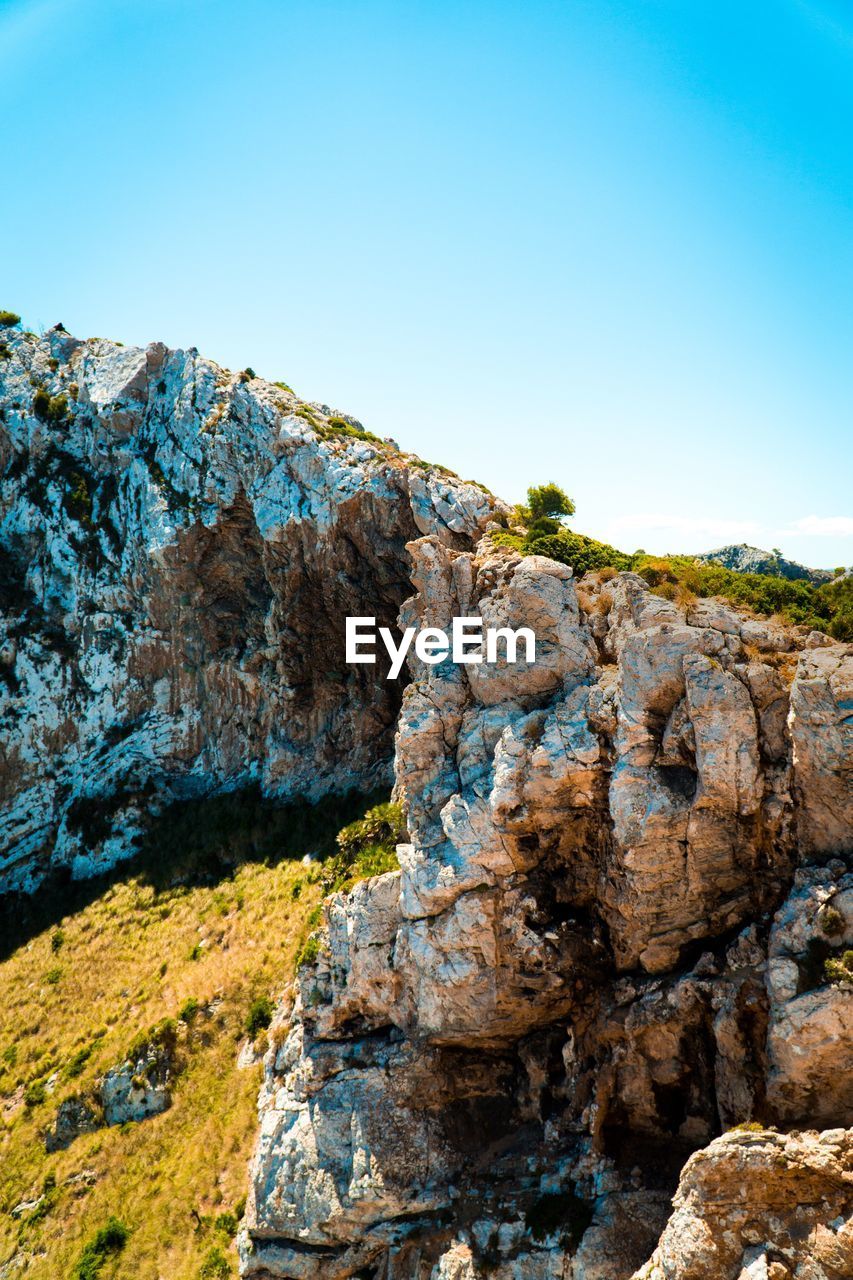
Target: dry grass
125, 961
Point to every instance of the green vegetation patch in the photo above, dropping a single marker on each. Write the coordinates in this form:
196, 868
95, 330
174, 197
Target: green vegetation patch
367, 847
838, 969
50, 409
8, 319
215, 1266
108, 1241
259, 1016
310, 950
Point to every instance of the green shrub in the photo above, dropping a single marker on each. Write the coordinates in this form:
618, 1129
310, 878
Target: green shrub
259, 1016
547, 502
41, 404
831, 920
5, 351
215, 1266
383, 824
53, 975
839, 968
57, 940
109, 1239
340, 427
50, 409
311, 948
35, 1093
227, 1222
74, 1066
189, 1010
575, 549
305, 411
367, 847
8, 319
78, 501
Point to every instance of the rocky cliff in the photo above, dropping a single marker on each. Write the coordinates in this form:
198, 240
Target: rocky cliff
180, 546
606, 945
598, 1024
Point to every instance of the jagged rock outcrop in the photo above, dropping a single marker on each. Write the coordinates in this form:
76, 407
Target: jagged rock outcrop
180, 547
762, 1206
811, 1019
621, 917
503, 1054
132, 1090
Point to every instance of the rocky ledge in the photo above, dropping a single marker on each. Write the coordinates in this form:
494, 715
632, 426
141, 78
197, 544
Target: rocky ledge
607, 945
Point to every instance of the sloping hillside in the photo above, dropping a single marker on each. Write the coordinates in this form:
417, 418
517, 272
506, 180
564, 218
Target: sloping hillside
204, 931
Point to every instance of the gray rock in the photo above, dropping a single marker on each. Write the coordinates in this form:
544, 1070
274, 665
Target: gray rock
180, 552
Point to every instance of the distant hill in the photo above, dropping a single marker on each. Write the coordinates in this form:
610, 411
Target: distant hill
745, 559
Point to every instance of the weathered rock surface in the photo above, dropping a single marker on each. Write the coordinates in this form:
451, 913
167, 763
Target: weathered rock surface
591, 953
132, 1090
139, 1088
810, 1042
628, 860
180, 546
762, 1206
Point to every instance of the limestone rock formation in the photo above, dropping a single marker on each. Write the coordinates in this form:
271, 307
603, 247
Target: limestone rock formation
613, 967
762, 1206
132, 1090
180, 546
591, 961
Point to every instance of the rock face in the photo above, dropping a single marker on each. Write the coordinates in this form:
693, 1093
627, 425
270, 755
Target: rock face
132, 1090
623, 858
745, 559
762, 1206
138, 1089
180, 547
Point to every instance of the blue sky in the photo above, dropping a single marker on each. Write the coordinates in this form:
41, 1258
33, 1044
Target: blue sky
601, 242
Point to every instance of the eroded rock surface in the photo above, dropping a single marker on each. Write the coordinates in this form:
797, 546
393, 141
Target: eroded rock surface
590, 962
180, 547
621, 917
762, 1206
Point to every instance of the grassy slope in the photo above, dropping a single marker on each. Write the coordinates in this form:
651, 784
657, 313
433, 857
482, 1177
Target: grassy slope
154, 1174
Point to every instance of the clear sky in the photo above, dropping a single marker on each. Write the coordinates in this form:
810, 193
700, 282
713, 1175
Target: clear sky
607, 243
